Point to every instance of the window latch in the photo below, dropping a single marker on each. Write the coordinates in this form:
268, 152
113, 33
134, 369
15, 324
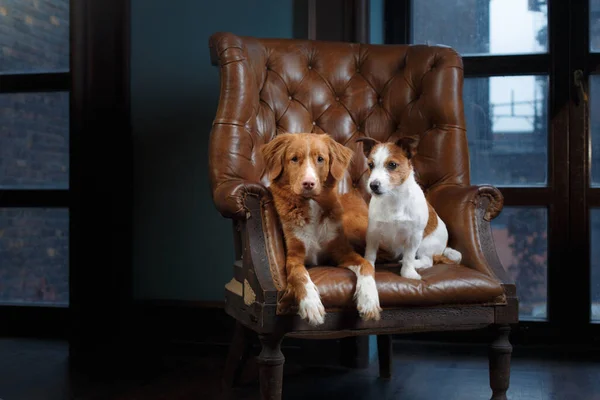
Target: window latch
580, 83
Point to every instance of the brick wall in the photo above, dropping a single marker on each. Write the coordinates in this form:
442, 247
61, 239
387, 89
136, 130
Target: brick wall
34, 35
34, 140
34, 147
34, 255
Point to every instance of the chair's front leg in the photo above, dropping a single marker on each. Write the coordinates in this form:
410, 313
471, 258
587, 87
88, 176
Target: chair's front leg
270, 367
239, 350
499, 355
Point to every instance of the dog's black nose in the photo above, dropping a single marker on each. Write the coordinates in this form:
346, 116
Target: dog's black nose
375, 186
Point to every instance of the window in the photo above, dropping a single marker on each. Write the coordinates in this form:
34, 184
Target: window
532, 106
34, 152
521, 238
595, 257
507, 115
487, 26
595, 128
507, 120
591, 185
34, 249
35, 36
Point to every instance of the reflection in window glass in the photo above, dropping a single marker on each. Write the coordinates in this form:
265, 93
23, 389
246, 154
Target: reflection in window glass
594, 25
521, 238
507, 129
595, 263
595, 128
34, 140
484, 27
34, 256
34, 36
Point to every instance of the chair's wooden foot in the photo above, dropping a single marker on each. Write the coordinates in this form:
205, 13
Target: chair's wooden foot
239, 351
499, 355
384, 352
270, 367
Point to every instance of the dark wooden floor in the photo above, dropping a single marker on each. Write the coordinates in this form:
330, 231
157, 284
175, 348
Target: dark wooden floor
36, 370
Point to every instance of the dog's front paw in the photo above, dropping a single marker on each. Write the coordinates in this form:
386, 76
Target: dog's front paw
367, 298
311, 308
409, 271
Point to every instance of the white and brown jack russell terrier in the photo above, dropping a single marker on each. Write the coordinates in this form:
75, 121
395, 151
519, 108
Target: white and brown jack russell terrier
401, 221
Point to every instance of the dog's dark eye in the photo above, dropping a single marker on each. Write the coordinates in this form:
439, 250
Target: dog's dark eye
392, 165
320, 159
371, 165
294, 159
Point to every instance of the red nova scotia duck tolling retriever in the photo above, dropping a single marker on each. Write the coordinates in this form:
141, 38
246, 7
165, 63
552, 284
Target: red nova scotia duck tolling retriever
304, 170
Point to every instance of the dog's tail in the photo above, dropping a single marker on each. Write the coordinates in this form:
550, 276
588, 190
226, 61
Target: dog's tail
448, 256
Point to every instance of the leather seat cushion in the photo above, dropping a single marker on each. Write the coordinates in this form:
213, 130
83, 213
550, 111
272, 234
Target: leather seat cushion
440, 285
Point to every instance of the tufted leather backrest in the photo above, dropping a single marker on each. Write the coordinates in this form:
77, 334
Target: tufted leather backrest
271, 86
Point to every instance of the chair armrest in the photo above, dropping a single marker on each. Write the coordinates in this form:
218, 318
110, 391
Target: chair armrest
234, 164
263, 248
467, 212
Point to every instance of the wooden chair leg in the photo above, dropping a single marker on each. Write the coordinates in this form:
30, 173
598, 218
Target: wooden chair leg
384, 352
239, 350
499, 356
270, 367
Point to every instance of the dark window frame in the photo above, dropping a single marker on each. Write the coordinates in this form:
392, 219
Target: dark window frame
568, 195
99, 198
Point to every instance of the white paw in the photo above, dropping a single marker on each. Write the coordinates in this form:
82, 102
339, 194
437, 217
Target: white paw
366, 296
422, 264
409, 271
453, 255
310, 307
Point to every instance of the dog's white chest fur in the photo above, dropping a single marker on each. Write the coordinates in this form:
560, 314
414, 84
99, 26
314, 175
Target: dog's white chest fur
316, 234
396, 217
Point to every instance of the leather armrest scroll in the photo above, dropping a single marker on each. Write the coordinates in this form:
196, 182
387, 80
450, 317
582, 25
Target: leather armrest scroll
467, 212
264, 252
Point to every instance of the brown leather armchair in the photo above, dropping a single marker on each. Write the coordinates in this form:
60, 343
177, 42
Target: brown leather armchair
270, 86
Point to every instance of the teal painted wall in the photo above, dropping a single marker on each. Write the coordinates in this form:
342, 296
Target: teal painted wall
376, 21
182, 247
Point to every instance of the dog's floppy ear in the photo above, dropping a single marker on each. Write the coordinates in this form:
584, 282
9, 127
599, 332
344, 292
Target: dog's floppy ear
409, 145
368, 144
339, 158
273, 153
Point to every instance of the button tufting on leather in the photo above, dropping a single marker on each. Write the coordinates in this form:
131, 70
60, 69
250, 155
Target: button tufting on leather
355, 91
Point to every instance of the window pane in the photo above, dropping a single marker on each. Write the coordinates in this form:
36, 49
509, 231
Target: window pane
594, 25
34, 140
521, 237
595, 263
34, 35
507, 129
34, 256
595, 128
482, 26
